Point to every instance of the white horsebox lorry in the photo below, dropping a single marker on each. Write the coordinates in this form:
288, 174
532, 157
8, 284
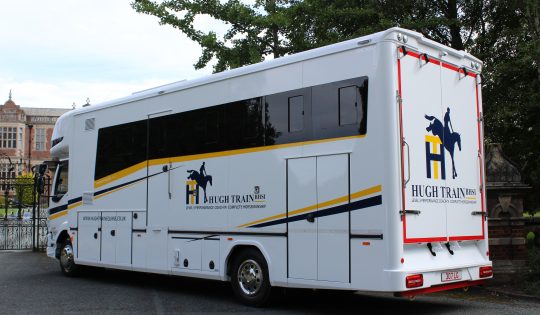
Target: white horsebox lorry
355, 166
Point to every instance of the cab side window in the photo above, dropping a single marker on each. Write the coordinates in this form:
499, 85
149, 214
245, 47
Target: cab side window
61, 184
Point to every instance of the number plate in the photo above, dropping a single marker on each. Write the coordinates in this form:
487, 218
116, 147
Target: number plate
448, 276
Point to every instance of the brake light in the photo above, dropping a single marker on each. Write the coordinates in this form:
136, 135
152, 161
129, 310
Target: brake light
414, 281
486, 272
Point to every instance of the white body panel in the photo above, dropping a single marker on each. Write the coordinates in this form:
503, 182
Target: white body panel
302, 185
187, 214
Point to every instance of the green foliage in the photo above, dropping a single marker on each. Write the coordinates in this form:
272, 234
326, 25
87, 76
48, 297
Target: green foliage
530, 238
505, 34
24, 189
510, 48
531, 285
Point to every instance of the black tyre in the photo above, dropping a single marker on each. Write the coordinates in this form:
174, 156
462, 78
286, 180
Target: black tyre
67, 260
249, 278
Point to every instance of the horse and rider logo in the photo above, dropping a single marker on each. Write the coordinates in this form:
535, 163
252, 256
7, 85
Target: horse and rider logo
195, 181
443, 138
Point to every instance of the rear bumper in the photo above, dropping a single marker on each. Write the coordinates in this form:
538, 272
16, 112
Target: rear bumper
433, 282
441, 287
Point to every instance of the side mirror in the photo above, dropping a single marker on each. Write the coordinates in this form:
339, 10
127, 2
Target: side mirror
42, 169
40, 184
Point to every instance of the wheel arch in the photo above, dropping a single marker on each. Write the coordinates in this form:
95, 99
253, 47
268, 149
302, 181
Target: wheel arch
239, 247
59, 240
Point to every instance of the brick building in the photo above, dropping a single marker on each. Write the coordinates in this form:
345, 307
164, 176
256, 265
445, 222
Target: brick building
25, 136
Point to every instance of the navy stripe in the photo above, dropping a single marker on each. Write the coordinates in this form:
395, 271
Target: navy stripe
357, 205
368, 236
72, 201
65, 206
117, 186
78, 199
128, 183
57, 209
228, 233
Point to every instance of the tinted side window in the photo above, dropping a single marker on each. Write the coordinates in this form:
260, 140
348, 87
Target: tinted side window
349, 99
339, 108
223, 127
242, 124
252, 121
212, 126
120, 147
296, 113
287, 117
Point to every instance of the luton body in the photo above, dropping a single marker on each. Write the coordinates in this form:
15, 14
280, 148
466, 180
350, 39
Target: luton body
355, 166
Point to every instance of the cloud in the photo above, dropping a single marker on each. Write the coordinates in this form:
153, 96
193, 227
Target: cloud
64, 94
58, 52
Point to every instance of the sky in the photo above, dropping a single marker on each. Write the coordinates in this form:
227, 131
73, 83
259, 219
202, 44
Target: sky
59, 52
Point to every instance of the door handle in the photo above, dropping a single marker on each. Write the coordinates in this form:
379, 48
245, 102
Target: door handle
408, 164
310, 218
113, 232
169, 180
95, 236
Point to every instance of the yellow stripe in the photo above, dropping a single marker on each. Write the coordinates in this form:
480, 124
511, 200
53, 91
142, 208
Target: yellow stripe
114, 190
79, 203
116, 176
319, 206
74, 205
365, 192
58, 214
137, 167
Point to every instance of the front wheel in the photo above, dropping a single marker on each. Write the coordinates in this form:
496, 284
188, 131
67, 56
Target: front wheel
67, 260
249, 278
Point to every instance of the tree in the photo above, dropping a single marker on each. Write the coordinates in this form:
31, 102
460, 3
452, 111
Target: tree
266, 28
254, 30
509, 44
24, 191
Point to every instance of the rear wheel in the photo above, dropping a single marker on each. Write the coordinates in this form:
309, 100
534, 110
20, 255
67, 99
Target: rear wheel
67, 260
249, 278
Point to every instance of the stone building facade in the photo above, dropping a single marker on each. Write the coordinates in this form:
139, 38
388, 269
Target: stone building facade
25, 136
507, 226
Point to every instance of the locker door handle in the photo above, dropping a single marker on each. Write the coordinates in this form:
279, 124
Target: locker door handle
95, 236
408, 164
310, 218
113, 233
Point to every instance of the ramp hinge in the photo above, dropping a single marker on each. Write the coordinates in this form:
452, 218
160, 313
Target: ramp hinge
481, 118
480, 213
430, 247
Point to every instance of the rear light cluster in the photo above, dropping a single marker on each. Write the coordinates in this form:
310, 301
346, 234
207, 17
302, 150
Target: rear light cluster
414, 281
486, 272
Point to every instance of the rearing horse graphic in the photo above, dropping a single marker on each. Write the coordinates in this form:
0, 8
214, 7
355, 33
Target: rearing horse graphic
446, 134
201, 178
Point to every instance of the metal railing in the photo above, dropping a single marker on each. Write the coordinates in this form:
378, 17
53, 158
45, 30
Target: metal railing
23, 214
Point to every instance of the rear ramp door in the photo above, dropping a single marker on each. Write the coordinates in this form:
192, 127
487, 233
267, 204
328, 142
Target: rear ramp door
442, 197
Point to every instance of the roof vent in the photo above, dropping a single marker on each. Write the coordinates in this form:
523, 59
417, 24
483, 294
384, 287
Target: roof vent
89, 124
